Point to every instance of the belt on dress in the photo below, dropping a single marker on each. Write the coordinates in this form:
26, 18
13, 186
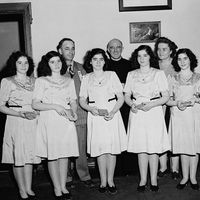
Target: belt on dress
154, 98
14, 106
114, 98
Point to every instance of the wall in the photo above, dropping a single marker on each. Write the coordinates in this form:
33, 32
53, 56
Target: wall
92, 23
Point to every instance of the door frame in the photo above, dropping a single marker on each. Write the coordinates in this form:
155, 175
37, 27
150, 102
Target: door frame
24, 10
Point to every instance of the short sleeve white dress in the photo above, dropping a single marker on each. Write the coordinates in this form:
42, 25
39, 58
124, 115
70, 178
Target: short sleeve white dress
185, 125
103, 136
19, 142
147, 130
56, 135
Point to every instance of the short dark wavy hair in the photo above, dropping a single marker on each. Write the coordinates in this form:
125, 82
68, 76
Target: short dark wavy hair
191, 56
62, 41
90, 54
43, 66
172, 46
153, 59
10, 68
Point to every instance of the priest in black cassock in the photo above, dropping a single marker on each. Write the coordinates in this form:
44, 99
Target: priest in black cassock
126, 162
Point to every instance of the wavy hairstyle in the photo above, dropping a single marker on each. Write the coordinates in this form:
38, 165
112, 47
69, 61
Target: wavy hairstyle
62, 41
172, 46
10, 68
43, 66
191, 56
90, 54
134, 57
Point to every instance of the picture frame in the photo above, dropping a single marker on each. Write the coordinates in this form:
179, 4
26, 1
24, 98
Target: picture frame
144, 5
144, 32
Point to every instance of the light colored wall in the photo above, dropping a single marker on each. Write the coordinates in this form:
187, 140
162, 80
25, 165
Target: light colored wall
92, 23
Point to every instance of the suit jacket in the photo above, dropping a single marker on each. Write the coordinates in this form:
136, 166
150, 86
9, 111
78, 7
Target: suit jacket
78, 73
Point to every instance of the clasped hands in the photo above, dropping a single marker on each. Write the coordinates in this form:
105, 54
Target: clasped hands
144, 106
67, 113
30, 115
102, 112
182, 105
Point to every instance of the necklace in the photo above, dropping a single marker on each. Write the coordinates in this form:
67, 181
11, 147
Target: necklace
100, 79
145, 75
25, 84
186, 78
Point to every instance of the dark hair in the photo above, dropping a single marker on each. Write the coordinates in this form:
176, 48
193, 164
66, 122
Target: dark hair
62, 41
134, 57
191, 56
90, 54
171, 44
10, 68
43, 66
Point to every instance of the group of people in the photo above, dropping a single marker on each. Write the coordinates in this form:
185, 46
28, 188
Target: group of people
107, 105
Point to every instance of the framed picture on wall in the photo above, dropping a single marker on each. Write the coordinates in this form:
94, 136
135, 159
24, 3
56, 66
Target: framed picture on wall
144, 5
144, 32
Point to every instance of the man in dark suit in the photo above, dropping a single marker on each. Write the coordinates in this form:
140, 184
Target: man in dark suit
66, 48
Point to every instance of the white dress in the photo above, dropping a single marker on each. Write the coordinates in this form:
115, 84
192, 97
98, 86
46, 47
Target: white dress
147, 130
103, 136
185, 125
19, 142
56, 135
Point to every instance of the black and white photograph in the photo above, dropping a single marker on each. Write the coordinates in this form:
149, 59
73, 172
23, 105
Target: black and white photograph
99, 100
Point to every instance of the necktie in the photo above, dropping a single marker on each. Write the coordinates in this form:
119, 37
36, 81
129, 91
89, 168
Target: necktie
71, 72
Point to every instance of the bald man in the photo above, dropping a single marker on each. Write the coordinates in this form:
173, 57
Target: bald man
116, 63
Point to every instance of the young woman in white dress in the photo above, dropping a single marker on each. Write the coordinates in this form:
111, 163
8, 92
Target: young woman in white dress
146, 90
20, 130
185, 119
165, 50
106, 133
55, 98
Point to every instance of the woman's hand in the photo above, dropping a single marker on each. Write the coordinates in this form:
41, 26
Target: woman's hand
60, 110
146, 106
72, 116
134, 109
181, 106
197, 100
21, 114
192, 100
109, 116
94, 111
197, 97
30, 115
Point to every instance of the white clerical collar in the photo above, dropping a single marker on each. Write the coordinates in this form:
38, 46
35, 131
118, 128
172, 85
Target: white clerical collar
116, 59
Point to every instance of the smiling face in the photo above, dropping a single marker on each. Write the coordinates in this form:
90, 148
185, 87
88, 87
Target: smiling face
163, 51
67, 50
115, 49
183, 61
22, 65
97, 62
55, 64
143, 58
